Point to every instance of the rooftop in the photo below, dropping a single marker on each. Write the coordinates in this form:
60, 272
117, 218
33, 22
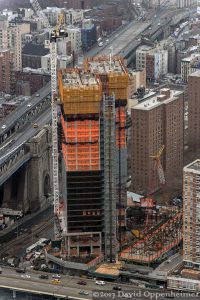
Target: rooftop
156, 100
78, 79
194, 166
34, 49
195, 74
106, 66
145, 48
191, 57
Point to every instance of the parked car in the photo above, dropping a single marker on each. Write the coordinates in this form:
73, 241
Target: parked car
44, 276
56, 276
82, 282
100, 282
56, 281
83, 293
20, 270
117, 288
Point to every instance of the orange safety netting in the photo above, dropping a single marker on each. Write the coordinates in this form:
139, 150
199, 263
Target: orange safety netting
120, 127
81, 150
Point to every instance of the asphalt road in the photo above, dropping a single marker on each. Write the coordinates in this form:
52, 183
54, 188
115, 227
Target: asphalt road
25, 133
69, 287
12, 118
130, 34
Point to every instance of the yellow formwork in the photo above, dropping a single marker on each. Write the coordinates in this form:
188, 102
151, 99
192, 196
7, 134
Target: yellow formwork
114, 82
81, 107
80, 99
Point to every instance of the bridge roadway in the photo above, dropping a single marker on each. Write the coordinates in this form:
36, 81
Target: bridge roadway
16, 143
70, 289
25, 111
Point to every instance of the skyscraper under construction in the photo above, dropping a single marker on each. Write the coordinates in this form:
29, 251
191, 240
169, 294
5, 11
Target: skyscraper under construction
114, 78
93, 127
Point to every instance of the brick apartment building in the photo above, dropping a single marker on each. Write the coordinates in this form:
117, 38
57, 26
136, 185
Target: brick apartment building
30, 81
7, 71
157, 120
194, 110
191, 215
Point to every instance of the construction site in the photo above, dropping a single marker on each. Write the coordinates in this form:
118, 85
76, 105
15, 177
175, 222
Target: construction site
100, 218
93, 219
90, 109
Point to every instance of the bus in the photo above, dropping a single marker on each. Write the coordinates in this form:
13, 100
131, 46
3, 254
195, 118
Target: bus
38, 245
31, 248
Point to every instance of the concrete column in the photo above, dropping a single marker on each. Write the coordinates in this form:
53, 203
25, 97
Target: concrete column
22, 190
7, 193
14, 294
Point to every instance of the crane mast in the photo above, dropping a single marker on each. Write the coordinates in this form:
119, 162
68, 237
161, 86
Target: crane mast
54, 112
160, 171
52, 44
38, 10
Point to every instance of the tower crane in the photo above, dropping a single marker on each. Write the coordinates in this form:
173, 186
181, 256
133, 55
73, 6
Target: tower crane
160, 171
57, 33
38, 11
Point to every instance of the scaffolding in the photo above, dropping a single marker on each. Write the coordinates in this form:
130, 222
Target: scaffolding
113, 74
155, 244
110, 214
81, 92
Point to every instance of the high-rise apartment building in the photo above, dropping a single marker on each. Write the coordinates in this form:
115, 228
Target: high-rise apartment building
194, 110
10, 38
191, 214
137, 79
74, 36
7, 75
156, 121
154, 60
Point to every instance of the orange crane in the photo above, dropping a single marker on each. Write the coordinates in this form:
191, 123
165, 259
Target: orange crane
160, 171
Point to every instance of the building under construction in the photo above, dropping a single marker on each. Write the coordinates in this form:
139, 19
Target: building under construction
115, 79
93, 147
88, 164
157, 242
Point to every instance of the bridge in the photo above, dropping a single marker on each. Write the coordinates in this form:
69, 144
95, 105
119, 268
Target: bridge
25, 166
25, 113
20, 153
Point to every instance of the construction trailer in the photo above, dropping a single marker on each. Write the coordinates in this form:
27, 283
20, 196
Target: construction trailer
88, 165
156, 243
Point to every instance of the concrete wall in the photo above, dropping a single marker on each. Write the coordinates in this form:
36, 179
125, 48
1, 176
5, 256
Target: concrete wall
27, 189
38, 168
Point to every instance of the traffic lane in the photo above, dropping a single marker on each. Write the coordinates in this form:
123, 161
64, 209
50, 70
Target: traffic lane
123, 40
27, 132
96, 292
69, 283
10, 119
40, 286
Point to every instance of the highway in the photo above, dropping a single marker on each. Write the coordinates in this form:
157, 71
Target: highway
132, 32
11, 120
130, 35
25, 134
69, 286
